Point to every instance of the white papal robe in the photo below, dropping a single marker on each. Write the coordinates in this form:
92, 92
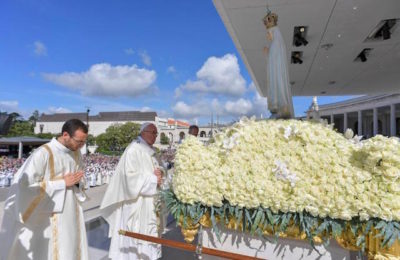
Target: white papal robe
128, 203
42, 218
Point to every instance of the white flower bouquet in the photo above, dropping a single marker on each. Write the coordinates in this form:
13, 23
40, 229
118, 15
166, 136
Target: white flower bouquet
285, 170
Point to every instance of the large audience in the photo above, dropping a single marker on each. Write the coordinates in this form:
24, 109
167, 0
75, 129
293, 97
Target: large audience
98, 168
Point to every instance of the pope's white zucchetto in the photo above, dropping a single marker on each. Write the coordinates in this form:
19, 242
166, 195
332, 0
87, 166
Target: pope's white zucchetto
144, 126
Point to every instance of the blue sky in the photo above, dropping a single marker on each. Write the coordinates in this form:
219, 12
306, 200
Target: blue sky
172, 57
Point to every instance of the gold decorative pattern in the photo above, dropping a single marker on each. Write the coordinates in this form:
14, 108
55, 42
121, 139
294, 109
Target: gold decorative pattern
54, 217
78, 250
347, 240
55, 236
35, 202
51, 162
42, 190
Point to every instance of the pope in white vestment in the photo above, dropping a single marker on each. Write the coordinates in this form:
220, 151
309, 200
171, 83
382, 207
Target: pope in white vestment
129, 202
43, 216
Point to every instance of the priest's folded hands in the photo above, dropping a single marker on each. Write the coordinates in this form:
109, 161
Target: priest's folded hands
72, 178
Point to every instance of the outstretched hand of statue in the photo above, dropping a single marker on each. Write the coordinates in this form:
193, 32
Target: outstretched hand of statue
270, 36
266, 50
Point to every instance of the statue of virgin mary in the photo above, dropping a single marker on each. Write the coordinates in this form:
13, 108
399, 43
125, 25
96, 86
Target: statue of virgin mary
278, 88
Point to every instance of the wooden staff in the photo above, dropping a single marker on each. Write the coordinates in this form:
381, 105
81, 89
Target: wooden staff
187, 247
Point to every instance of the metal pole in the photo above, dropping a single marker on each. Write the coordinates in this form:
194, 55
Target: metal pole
87, 123
20, 150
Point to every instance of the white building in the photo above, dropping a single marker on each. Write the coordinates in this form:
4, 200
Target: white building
175, 130
367, 115
97, 124
176, 133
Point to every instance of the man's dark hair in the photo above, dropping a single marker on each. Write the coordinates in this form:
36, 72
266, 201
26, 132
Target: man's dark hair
72, 125
192, 128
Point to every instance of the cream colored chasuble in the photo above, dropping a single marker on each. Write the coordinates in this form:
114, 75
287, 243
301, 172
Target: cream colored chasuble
43, 219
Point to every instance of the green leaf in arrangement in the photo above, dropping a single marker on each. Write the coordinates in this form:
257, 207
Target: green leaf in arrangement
392, 240
323, 227
381, 224
388, 234
257, 220
368, 227
258, 215
336, 228
270, 218
360, 240
247, 220
396, 225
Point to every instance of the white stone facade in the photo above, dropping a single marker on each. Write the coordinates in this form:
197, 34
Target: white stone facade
95, 128
366, 116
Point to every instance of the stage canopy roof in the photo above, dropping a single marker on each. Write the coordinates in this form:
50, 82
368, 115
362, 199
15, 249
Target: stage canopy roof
337, 31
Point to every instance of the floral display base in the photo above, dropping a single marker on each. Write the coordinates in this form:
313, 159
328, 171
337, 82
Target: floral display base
283, 248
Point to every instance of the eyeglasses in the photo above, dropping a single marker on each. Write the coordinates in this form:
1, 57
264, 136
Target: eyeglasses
78, 141
153, 132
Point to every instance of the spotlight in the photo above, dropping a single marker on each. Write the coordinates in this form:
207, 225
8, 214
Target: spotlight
386, 31
364, 54
299, 40
296, 58
362, 57
299, 35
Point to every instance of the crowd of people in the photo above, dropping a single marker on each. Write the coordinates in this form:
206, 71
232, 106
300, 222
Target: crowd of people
132, 196
8, 167
98, 169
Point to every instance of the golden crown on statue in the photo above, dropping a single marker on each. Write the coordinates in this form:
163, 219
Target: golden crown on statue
270, 19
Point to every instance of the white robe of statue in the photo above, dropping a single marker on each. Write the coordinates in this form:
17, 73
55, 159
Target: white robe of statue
278, 85
42, 218
129, 203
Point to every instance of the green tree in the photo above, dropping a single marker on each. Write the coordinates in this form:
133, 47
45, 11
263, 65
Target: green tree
91, 140
34, 117
16, 117
21, 128
164, 139
46, 135
117, 137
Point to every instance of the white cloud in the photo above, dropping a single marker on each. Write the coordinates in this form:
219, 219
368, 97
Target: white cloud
146, 109
238, 107
9, 106
171, 69
178, 93
105, 80
58, 110
40, 49
218, 76
230, 108
163, 114
260, 106
253, 87
183, 110
145, 58
129, 51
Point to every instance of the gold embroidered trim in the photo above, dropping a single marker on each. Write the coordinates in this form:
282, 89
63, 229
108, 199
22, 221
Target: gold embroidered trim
42, 190
55, 236
54, 217
35, 202
78, 251
51, 162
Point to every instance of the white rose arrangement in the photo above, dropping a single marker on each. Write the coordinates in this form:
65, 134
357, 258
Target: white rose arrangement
292, 166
